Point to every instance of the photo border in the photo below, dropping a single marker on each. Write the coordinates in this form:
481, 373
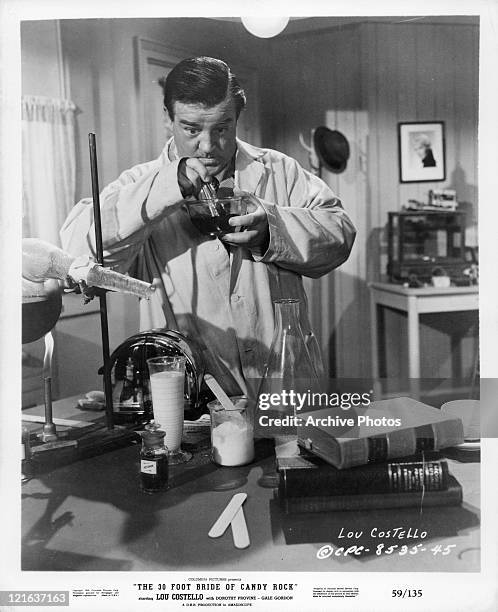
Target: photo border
407, 175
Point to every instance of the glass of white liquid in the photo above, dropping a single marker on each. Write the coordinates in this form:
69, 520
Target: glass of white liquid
167, 383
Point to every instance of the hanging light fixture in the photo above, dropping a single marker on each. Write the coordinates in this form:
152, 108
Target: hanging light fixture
265, 27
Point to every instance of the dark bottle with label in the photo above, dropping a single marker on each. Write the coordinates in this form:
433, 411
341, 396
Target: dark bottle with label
153, 459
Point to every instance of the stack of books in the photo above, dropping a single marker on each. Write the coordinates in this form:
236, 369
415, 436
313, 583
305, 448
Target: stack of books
396, 466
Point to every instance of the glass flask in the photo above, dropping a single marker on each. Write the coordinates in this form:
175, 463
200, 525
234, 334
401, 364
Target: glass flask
153, 459
289, 379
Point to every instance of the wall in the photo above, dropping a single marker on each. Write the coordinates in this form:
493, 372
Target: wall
375, 75
41, 60
100, 62
77, 352
40, 76
43, 74
92, 62
360, 78
420, 73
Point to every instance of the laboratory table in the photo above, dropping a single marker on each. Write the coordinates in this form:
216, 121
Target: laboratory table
91, 515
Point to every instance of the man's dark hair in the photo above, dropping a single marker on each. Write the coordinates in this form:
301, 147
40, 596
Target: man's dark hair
201, 80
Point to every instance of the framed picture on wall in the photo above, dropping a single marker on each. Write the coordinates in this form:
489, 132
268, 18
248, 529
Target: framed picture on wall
421, 151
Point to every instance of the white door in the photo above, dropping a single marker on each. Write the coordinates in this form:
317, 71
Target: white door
338, 302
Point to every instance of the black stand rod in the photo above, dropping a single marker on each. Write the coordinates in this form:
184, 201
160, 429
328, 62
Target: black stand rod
102, 296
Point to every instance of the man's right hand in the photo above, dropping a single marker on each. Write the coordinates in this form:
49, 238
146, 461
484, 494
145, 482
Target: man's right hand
192, 174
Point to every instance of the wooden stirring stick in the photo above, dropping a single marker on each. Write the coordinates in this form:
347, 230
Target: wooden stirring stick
221, 396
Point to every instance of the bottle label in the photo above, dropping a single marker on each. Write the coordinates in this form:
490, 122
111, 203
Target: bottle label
148, 467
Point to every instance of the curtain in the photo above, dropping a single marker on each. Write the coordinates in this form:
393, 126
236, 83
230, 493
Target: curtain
48, 158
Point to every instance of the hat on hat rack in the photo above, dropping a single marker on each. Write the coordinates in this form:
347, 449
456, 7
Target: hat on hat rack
330, 149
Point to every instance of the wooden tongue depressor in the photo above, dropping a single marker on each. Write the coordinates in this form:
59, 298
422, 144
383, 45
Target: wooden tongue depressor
221, 396
227, 516
239, 530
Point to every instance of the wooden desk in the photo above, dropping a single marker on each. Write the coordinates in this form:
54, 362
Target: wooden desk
91, 515
414, 302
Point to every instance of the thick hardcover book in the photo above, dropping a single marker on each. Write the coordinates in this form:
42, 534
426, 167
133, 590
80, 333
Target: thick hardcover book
452, 496
309, 476
387, 429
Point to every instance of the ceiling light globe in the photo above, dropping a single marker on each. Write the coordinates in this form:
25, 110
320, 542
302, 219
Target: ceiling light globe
265, 27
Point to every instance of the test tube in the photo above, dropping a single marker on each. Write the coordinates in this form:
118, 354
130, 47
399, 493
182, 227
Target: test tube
114, 281
208, 191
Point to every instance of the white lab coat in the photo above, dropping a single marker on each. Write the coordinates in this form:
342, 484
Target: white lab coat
222, 298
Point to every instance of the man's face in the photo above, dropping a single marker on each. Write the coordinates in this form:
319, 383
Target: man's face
206, 133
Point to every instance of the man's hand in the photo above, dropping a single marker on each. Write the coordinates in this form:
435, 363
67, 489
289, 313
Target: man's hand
192, 174
254, 230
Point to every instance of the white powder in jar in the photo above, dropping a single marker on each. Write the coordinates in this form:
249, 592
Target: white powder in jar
232, 440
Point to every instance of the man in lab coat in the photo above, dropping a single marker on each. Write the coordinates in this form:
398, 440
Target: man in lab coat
219, 292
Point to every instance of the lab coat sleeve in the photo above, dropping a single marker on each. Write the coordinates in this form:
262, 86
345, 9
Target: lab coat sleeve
129, 208
309, 231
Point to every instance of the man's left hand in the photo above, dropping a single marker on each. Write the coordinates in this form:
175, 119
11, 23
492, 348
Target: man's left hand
254, 230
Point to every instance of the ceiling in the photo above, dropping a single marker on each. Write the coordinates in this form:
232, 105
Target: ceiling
302, 25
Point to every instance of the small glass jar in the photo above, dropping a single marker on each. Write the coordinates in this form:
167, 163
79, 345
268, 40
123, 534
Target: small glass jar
154, 466
232, 433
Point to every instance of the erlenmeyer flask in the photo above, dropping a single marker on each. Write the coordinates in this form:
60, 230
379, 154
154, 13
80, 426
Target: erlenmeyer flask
290, 377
